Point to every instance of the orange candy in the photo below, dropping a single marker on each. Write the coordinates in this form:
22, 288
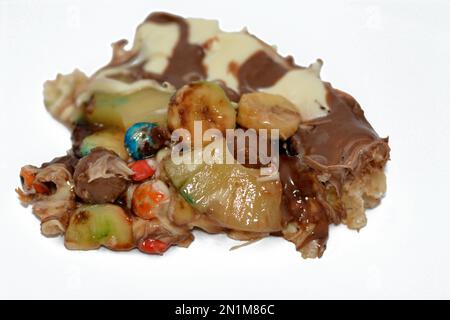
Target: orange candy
150, 197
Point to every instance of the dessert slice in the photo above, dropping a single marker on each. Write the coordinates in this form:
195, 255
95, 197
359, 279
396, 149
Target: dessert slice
332, 161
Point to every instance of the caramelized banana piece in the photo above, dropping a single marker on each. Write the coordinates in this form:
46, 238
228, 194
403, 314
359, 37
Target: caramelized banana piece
259, 110
201, 101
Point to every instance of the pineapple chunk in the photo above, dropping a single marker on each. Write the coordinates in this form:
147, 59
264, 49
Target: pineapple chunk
230, 194
110, 139
92, 226
122, 111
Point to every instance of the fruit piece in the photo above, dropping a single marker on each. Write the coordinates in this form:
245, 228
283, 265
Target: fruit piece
92, 226
143, 169
150, 198
201, 101
230, 194
180, 173
144, 139
233, 196
153, 246
260, 110
180, 212
122, 111
110, 139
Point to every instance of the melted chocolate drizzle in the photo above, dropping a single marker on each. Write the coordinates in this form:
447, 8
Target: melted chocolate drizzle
186, 62
303, 200
259, 71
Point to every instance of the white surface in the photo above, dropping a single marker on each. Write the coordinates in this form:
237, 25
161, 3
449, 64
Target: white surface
393, 56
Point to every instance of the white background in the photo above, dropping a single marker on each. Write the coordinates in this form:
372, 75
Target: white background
393, 56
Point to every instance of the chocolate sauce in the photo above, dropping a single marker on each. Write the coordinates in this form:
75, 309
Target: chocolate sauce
339, 144
186, 62
231, 94
120, 55
336, 139
304, 199
336, 144
259, 71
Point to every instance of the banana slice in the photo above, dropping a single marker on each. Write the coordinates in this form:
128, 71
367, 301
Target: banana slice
259, 110
201, 101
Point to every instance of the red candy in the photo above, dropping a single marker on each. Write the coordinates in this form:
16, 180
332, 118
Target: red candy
142, 170
153, 246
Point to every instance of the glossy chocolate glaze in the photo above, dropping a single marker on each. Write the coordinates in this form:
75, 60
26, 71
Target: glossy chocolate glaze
338, 143
304, 199
335, 139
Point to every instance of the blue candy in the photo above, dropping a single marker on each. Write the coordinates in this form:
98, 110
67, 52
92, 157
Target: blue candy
139, 142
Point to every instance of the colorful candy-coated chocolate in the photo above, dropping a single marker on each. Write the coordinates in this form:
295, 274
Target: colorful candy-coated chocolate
150, 198
143, 169
153, 246
139, 140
